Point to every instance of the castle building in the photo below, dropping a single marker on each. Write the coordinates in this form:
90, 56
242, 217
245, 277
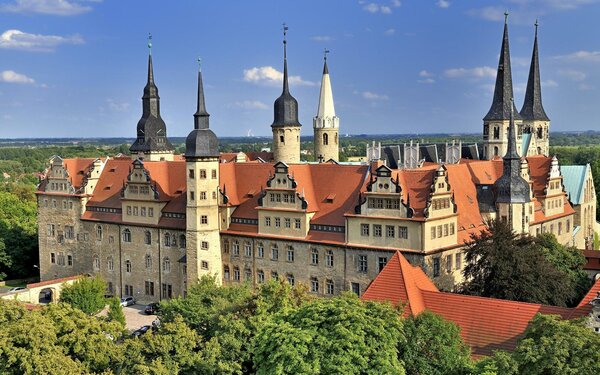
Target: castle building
152, 223
326, 124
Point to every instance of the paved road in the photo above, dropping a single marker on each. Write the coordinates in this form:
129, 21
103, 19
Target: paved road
135, 317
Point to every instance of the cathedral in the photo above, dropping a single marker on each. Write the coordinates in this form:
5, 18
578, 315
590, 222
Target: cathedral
152, 223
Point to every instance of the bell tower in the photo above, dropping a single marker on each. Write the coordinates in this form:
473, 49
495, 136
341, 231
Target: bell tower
326, 124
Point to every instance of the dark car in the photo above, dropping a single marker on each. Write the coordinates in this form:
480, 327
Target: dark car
152, 308
140, 331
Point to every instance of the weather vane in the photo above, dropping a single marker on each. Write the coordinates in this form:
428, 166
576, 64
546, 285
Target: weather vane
536, 24
505, 16
150, 42
199, 64
325, 52
285, 29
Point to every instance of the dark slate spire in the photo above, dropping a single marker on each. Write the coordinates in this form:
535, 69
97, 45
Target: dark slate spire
511, 187
151, 129
532, 107
286, 106
503, 92
201, 142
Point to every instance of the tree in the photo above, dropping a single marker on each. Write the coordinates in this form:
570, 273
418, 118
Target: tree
502, 264
340, 335
433, 346
115, 311
85, 294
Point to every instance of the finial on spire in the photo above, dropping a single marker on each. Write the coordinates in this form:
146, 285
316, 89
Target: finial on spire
150, 43
199, 64
325, 52
285, 29
536, 24
506, 16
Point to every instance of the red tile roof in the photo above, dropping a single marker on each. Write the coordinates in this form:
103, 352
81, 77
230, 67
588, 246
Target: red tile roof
77, 169
592, 258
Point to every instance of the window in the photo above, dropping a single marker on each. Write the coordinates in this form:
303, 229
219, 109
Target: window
267, 221
192, 196
226, 273
110, 264
126, 235
99, 232
403, 232
226, 247
314, 285
329, 287
290, 279
69, 232
356, 288
382, 261
150, 211
236, 274
329, 258
314, 257
128, 266
129, 210
236, 248
204, 245
166, 266
274, 252
202, 195
297, 224
51, 230
436, 267
148, 261
135, 211
364, 229
128, 290
260, 250
191, 174
274, 275
168, 240
260, 276
445, 230
559, 228
204, 265
182, 241
167, 290
568, 227
439, 231
213, 174
96, 263
149, 288
457, 261
147, 237
247, 274
451, 229
248, 249
288, 222
202, 173
52, 258
448, 263
362, 263
390, 231
290, 254
376, 230
277, 222
203, 219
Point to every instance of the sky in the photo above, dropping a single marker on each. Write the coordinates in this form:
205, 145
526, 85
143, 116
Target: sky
77, 68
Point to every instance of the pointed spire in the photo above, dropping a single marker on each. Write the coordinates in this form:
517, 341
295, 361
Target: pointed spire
503, 92
511, 150
285, 108
285, 71
150, 81
326, 107
532, 106
325, 69
201, 116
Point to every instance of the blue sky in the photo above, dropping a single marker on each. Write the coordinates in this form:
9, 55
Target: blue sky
78, 67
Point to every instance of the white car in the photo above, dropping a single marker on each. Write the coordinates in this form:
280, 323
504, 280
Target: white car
16, 289
127, 301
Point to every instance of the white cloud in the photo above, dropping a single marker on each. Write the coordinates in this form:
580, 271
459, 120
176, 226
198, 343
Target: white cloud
51, 7
251, 104
581, 56
10, 76
585, 87
396, 3
426, 80
443, 4
572, 74
16, 39
389, 32
373, 96
379, 8
549, 83
477, 72
322, 38
116, 106
427, 77
425, 73
270, 75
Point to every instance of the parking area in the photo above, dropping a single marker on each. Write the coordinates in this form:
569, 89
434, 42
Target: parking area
135, 317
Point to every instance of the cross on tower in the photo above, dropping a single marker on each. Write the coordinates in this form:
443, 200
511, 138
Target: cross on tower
325, 52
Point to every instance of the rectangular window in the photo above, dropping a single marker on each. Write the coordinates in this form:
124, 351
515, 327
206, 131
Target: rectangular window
286, 198
382, 261
70, 260
457, 261
272, 197
274, 253
290, 254
150, 211
202, 195
449, 263
248, 249
278, 198
226, 273
451, 229
297, 223
433, 232
52, 258
291, 280
149, 288
191, 174
204, 245
376, 230
236, 274
248, 274
362, 263
314, 285
277, 222
260, 276
356, 288
129, 210
314, 257
403, 232
213, 174
203, 173
204, 265
267, 221
69, 232
135, 211
330, 287
192, 195
167, 290
445, 230
236, 248
274, 275
51, 230
204, 219
329, 258
439, 231
260, 250
364, 229
436, 267
390, 231
288, 222
143, 211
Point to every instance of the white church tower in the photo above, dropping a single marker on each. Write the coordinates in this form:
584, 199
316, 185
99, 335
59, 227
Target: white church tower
326, 124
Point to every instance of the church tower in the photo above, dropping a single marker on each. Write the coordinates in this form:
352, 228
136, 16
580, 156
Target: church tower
151, 143
496, 122
512, 191
535, 120
286, 127
326, 124
203, 245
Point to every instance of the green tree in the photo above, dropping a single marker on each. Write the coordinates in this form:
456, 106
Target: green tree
340, 335
433, 346
85, 294
115, 311
502, 264
18, 231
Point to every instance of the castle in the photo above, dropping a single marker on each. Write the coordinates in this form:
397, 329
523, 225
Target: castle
153, 223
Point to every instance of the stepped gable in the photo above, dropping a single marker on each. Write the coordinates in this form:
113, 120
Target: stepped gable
77, 169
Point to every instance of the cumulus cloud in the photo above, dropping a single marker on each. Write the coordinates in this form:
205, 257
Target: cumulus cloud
322, 38
443, 4
373, 96
549, 83
380, 8
10, 76
16, 39
426, 77
389, 32
50, 7
572, 74
477, 72
251, 104
581, 56
270, 75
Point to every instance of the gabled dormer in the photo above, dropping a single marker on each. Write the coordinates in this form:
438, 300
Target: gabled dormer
384, 197
140, 197
92, 175
441, 200
554, 199
57, 177
281, 191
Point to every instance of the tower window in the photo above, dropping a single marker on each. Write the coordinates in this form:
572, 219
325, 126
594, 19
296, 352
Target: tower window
191, 174
281, 139
325, 139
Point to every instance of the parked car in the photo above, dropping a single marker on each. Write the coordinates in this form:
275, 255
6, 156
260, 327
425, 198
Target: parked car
152, 308
140, 331
16, 289
127, 301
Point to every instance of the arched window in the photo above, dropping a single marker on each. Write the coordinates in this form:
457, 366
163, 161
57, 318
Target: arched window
147, 237
126, 235
168, 239
148, 260
540, 132
325, 138
99, 232
173, 240
166, 264
182, 241
495, 150
110, 263
128, 266
496, 132
96, 263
